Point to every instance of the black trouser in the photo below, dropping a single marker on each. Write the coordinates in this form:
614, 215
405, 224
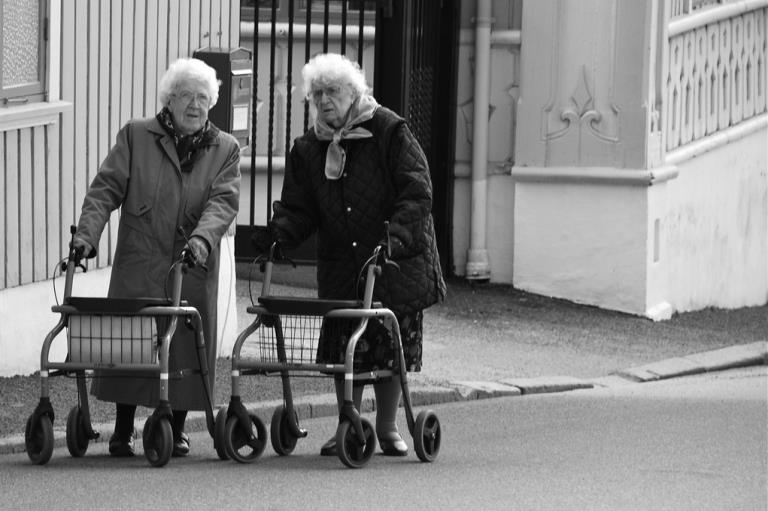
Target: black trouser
124, 420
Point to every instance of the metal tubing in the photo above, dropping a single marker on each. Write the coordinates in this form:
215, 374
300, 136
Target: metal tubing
349, 360
236, 354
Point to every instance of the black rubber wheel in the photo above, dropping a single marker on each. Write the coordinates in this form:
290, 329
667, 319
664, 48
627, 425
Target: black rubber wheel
283, 440
236, 439
220, 432
77, 440
350, 452
427, 436
38, 439
157, 439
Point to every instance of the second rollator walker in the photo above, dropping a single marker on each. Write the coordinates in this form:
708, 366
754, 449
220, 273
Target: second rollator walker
285, 334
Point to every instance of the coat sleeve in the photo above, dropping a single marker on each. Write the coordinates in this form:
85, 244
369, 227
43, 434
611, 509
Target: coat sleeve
107, 191
413, 187
223, 200
295, 217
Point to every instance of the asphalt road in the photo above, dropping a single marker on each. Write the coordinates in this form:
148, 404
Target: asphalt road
695, 443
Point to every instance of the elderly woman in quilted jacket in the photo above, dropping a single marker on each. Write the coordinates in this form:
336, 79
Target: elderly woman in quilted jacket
357, 167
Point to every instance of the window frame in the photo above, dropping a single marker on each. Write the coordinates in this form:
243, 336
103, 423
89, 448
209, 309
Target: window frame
35, 92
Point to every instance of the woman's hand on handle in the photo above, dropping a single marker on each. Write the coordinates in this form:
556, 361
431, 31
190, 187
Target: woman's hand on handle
83, 247
199, 248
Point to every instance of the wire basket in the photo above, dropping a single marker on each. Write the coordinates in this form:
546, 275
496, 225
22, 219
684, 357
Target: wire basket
112, 339
300, 335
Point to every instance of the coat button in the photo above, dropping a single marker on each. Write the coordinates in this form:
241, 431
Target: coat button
354, 244
349, 209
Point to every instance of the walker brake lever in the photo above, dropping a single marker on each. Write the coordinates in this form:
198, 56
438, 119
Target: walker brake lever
387, 256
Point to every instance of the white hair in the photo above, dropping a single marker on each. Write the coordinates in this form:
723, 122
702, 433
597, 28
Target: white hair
333, 69
184, 71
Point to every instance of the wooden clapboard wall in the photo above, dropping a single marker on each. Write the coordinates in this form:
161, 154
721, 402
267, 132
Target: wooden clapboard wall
112, 57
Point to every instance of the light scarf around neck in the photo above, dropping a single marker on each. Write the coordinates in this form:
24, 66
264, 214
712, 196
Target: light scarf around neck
361, 110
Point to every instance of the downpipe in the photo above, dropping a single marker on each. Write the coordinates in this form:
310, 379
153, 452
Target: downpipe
478, 266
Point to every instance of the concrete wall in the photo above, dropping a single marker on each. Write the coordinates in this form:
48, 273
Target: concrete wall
716, 227
584, 241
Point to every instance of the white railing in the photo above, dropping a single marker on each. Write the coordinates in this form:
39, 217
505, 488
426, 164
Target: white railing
717, 67
683, 7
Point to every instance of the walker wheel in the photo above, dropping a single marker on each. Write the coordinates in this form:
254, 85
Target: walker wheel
77, 440
349, 450
236, 439
38, 439
220, 432
427, 435
157, 439
283, 440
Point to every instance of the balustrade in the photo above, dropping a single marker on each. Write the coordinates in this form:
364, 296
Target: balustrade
717, 67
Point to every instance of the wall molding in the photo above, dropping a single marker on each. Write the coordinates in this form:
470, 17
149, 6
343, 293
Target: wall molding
35, 114
592, 175
719, 139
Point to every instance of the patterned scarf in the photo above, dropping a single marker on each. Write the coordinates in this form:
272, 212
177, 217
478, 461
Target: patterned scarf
187, 146
335, 157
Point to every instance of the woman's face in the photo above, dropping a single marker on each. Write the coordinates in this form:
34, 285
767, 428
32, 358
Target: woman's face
189, 107
333, 102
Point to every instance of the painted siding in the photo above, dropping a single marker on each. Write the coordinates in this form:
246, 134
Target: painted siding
112, 56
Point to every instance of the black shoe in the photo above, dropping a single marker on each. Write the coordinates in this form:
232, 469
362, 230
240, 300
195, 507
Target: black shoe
393, 446
181, 445
121, 447
329, 448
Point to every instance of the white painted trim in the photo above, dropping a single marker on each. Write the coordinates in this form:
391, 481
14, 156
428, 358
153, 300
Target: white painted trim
692, 21
34, 114
701, 146
54, 50
604, 175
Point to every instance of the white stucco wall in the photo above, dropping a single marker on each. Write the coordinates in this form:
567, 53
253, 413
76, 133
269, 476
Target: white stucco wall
26, 317
716, 227
585, 242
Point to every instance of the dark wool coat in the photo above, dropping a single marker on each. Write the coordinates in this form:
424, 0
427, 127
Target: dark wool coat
141, 174
386, 177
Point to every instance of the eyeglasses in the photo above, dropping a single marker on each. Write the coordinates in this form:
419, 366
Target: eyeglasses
187, 96
331, 91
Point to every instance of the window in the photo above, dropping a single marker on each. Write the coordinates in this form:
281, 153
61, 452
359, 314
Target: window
23, 31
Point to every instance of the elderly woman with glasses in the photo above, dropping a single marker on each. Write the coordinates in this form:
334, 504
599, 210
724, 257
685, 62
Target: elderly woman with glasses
357, 167
176, 178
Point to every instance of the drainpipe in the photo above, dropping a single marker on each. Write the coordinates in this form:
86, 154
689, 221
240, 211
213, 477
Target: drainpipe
478, 267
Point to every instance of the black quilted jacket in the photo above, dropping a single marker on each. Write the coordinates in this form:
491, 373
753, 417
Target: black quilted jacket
385, 178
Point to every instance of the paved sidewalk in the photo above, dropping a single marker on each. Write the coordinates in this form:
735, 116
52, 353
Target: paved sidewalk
491, 341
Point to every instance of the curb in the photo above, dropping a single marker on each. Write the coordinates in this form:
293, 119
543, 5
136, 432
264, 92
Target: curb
324, 405
741, 355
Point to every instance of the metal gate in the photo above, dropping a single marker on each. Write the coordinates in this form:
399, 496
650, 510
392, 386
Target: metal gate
407, 49
416, 62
